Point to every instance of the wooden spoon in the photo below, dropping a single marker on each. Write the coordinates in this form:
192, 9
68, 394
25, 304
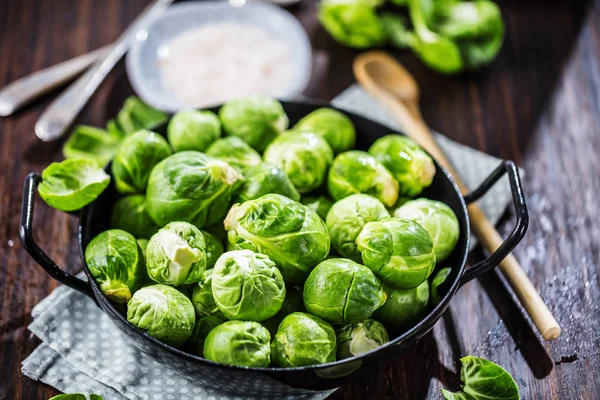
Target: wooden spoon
383, 77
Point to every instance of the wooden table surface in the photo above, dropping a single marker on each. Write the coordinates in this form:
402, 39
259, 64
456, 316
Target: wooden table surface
538, 104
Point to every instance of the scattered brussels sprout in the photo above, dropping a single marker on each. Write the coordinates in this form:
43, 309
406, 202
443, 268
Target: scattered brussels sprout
116, 263
354, 23
331, 125
321, 205
255, 119
293, 303
72, 184
136, 157
399, 251
303, 156
247, 286
263, 179
91, 143
242, 343
136, 115
214, 249
129, 214
342, 292
346, 220
303, 339
292, 235
358, 172
438, 279
193, 130
356, 339
483, 379
191, 186
438, 220
163, 313
235, 152
404, 307
203, 299
411, 166
176, 254
202, 328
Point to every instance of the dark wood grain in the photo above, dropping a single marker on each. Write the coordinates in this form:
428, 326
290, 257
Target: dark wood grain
538, 104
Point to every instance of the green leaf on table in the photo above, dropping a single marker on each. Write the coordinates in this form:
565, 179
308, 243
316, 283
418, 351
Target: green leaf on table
91, 143
136, 115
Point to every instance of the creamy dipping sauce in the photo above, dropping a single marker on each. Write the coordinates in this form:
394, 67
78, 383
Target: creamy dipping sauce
221, 61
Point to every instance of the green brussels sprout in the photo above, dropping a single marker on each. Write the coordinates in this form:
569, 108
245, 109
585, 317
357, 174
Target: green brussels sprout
235, 152
163, 313
356, 339
202, 297
331, 125
293, 303
346, 220
91, 143
193, 130
303, 339
358, 172
321, 205
399, 251
255, 119
438, 220
354, 23
202, 328
292, 235
214, 249
439, 278
263, 179
176, 254
192, 187
116, 263
241, 343
342, 292
72, 184
138, 154
411, 166
247, 286
129, 214
303, 156
404, 307
136, 115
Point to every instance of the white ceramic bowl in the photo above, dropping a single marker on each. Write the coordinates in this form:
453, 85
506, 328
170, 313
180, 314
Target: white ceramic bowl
142, 61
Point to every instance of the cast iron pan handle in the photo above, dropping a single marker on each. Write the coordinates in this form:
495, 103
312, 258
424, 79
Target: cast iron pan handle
518, 231
29, 243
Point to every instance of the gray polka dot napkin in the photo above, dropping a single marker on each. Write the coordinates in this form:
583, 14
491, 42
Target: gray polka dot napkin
83, 353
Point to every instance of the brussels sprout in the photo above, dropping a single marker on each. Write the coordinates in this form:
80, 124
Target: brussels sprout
303, 156
263, 179
404, 307
72, 184
399, 251
192, 187
438, 220
292, 235
358, 172
193, 130
247, 286
136, 115
136, 157
202, 328
321, 205
410, 165
176, 254
293, 303
439, 278
255, 119
347, 218
202, 297
163, 312
303, 339
129, 214
356, 339
235, 152
331, 125
91, 143
342, 292
241, 343
116, 263
214, 249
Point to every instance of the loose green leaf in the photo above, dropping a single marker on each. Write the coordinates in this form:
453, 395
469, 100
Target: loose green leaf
397, 30
91, 143
136, 115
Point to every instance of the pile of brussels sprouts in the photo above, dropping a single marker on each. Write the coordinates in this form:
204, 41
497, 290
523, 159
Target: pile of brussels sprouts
271, 246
